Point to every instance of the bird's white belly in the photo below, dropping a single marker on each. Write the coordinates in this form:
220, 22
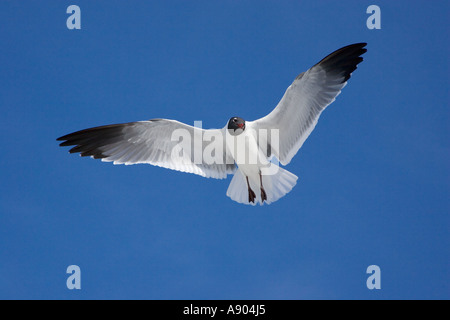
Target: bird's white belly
245, 152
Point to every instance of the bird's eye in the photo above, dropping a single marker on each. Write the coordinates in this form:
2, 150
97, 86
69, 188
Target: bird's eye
234, 120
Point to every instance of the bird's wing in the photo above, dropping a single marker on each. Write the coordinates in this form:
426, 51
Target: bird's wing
312, 91
161, 142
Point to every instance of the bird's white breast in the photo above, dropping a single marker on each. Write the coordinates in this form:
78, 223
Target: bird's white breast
246, 153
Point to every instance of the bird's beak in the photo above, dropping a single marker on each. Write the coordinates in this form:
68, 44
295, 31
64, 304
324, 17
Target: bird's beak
240, 125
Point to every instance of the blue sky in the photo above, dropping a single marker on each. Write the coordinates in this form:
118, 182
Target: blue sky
373, 183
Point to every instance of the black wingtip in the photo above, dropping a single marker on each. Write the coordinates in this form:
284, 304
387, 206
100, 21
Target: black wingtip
344, 60
89, 142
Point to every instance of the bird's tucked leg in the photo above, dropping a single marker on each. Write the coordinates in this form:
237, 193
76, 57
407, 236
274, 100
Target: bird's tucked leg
251, 193
263, 192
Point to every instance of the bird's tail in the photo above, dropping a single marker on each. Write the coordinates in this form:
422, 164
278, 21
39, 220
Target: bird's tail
275, 185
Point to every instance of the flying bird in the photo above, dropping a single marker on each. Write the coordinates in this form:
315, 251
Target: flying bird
247, 149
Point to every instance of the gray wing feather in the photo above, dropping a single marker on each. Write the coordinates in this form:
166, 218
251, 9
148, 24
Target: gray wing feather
149, 142
312, 91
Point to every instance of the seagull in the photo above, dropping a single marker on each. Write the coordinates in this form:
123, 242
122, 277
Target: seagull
248, 149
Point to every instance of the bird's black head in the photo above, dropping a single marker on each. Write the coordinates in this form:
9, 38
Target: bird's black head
236, 126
